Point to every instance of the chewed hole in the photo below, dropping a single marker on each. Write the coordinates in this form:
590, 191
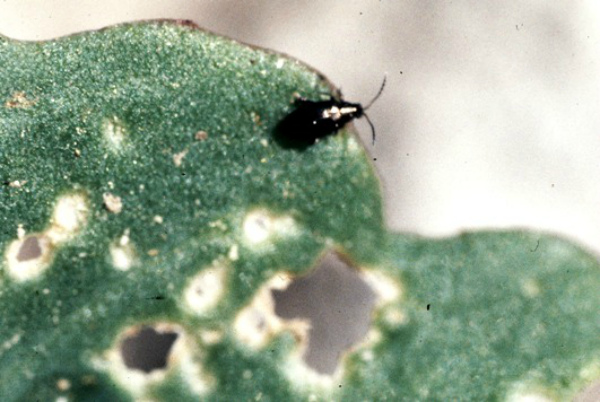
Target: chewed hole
148, 350
257, 227
30, 249
205, 289
257, 323
144, 357
338, 303
261, 226
28, 257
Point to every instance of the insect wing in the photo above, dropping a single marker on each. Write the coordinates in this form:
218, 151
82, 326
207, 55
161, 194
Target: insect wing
302, 127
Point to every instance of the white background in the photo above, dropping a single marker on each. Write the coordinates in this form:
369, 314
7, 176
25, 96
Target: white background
491, 114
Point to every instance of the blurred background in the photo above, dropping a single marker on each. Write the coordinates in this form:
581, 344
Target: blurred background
491, 113
490, 117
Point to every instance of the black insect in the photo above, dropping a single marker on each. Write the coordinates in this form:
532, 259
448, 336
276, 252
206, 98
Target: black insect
312, 120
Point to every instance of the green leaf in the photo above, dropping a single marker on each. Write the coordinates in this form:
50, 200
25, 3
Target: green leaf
135, 158
484, 316
143, 192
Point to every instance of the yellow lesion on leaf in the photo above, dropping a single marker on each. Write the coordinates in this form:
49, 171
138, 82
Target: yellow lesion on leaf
19, 100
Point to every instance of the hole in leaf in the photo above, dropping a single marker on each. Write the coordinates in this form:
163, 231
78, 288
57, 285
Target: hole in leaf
29, 250
147, 350
338, 304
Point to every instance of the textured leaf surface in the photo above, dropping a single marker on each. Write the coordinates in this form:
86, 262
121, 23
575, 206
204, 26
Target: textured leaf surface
485, 316
141, 186
109, 112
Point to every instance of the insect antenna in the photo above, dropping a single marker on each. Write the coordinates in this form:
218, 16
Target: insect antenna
369, 105
378, 93
372, 127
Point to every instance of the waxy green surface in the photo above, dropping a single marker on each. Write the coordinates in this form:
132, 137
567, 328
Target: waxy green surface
177, 124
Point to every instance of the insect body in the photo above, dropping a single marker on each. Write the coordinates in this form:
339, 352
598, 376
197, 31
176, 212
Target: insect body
312, 120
